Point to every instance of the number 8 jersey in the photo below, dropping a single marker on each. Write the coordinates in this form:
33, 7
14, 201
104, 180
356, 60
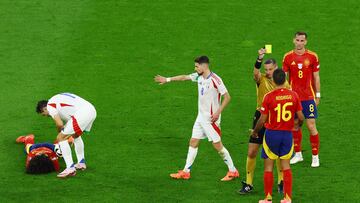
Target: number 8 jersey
280, 105
301, 69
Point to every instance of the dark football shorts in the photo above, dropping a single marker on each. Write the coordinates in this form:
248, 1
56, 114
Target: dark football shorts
259, 139
277, 144
309, 109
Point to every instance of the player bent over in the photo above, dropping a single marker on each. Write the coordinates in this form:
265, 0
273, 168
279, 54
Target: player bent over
78, 116
277, 112
207, 124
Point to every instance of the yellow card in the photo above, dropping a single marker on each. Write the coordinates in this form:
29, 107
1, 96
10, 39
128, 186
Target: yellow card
268, 48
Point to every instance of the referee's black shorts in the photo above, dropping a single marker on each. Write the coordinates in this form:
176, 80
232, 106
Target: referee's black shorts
259, 139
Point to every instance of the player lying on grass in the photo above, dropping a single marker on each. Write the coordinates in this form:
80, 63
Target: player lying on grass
78, 116
41, 157
207, 124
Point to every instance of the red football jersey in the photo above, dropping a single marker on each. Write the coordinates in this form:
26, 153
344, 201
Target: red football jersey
301, 69
44, 150
280, 105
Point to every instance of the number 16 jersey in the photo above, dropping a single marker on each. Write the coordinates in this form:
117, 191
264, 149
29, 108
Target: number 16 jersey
280, 105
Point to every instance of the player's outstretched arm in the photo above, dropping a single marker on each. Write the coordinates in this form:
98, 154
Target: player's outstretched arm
162, 80
257, 66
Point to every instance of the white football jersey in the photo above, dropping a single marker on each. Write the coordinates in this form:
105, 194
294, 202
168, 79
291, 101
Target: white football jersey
210, 91
65, 104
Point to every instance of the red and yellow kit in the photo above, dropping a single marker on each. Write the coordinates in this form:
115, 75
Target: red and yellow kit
280, 105
301, 69
44, 148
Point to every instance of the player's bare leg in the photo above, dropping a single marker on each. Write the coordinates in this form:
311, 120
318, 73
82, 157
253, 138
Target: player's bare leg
192, 152
225, 155
297, 137
314, 140
66, 152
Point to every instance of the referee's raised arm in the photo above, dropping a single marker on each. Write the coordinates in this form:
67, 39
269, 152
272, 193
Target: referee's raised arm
257, 66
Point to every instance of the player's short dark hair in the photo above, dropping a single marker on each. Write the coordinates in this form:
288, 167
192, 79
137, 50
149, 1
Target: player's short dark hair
40, 164
279, 77
270, 61
40, 105
202, 59
301, 33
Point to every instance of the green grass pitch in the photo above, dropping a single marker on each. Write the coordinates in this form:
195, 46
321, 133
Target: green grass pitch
109, 51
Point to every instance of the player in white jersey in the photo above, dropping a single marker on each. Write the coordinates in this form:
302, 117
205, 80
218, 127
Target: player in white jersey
78, 116
207, 124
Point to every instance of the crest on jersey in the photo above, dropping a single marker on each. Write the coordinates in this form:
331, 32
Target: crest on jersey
306, 62
300, 65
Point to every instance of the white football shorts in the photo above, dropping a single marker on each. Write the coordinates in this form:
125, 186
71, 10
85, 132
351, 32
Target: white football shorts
211, 131
82, 120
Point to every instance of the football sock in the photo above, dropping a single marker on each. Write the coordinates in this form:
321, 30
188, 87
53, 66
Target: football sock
79, 148
225, 155
315, 144
268, 184
287, 184
190, 158
29, 140
66, 153
250, 168
297, 136
279, 171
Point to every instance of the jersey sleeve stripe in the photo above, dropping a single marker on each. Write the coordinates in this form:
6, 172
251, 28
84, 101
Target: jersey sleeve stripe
52, 105
215, 86
314, 54
63, 104
288, 53
311, 88
218, 80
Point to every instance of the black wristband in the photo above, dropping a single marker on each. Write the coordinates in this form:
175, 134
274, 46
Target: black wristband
258, 64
